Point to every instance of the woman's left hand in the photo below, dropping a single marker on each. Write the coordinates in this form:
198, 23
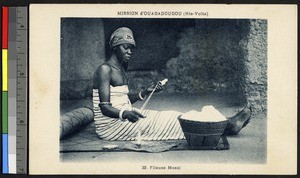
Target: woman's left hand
150, 88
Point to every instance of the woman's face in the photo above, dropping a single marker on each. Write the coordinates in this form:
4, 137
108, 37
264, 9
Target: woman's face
124, 52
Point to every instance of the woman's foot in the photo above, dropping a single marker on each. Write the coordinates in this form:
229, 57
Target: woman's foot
238, 121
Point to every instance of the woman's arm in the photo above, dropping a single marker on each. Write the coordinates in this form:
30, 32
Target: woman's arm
134, 97
104, 77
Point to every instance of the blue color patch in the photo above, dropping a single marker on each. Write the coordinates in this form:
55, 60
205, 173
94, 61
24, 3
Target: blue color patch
5, 153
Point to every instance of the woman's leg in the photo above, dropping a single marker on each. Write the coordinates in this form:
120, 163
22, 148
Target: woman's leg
238, 121
160, 125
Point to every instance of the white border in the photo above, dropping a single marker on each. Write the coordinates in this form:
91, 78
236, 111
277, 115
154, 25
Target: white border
45, 77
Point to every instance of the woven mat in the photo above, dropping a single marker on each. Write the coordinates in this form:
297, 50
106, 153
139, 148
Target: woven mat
87, 140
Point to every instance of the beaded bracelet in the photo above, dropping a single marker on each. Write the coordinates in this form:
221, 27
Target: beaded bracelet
140, 96
120, 115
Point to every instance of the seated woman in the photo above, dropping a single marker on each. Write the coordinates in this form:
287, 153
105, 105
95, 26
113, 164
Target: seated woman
114, 116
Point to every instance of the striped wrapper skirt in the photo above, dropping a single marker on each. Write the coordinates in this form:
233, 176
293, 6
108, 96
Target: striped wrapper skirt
158, 125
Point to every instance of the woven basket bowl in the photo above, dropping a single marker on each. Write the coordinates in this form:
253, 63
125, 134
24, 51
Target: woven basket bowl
199, 133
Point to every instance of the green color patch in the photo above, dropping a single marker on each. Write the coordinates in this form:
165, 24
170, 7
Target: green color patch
4, 112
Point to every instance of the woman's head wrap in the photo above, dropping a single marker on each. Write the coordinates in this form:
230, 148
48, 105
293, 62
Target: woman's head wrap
120, 36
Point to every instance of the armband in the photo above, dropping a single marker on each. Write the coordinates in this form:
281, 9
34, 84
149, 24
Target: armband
120, 115
140, 96
104, 103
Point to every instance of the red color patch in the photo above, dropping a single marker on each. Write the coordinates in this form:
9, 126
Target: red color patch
4, 27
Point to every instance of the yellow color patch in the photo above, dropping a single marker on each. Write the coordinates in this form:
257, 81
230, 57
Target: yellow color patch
4, 70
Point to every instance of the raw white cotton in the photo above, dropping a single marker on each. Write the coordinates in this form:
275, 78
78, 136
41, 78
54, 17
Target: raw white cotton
208, 114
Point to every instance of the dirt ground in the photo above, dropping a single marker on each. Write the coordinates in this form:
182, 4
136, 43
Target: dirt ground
248, 147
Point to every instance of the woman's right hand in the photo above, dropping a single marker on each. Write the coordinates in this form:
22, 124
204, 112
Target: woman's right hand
132, 116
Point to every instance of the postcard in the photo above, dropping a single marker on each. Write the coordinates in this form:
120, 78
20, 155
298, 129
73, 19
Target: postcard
162, 89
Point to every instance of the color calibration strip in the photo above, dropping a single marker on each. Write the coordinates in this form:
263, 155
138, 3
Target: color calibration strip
14, 90
5, 90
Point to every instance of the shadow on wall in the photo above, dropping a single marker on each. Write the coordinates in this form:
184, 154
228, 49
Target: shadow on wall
211, 59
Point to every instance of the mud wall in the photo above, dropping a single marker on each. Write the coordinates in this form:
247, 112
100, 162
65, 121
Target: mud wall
254, 47
82, 51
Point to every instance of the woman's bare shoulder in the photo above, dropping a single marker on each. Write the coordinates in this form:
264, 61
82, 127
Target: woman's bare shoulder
103, 68
103, 71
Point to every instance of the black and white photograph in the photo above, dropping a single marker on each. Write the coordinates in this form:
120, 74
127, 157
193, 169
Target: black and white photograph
131, 87
165, 90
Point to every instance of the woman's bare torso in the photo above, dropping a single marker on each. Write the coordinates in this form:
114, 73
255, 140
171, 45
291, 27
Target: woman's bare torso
118, 76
